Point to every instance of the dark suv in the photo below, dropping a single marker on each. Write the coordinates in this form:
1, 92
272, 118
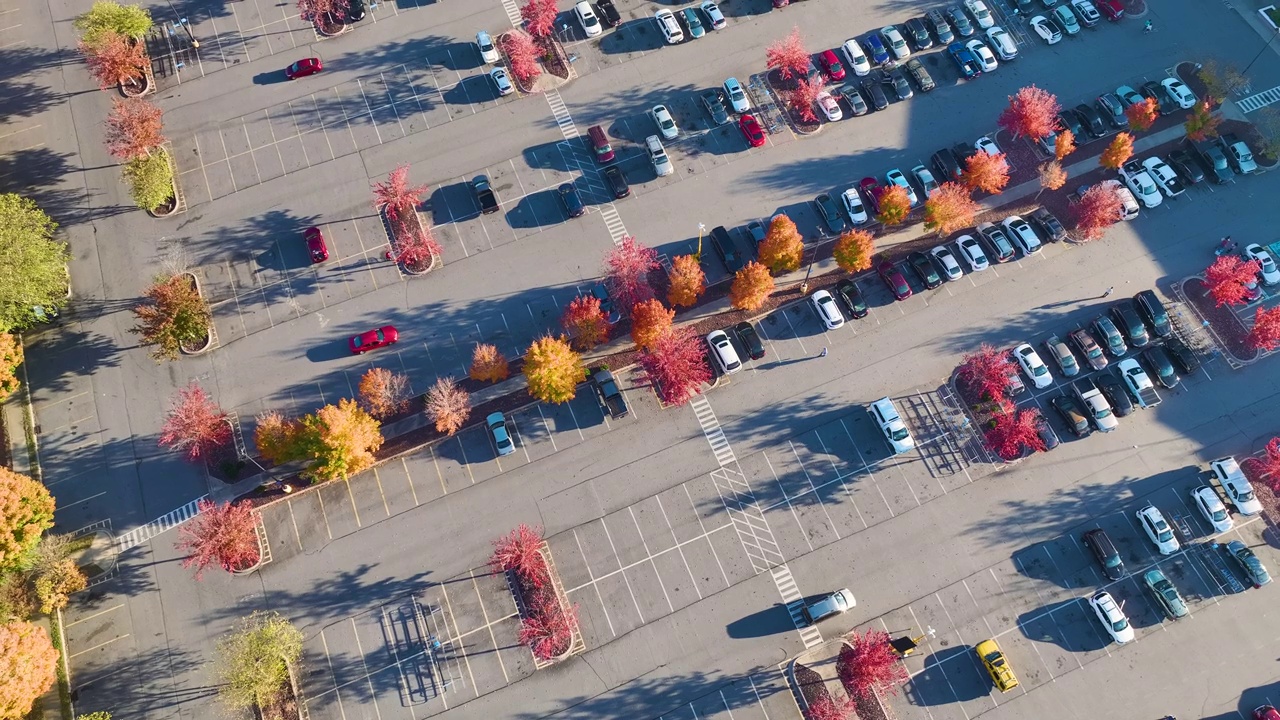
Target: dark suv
1126, 317
1105, 551
724, 247
946, 165
1092, 120
1071, 413
1154, 313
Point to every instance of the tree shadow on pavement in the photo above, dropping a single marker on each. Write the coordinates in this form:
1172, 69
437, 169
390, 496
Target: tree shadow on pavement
67, 353
22, 94
51, 179
152, 687
941, 681
651, 697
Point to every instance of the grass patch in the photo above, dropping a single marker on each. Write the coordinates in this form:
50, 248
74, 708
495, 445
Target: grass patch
1274, 15
81, 543
64, 683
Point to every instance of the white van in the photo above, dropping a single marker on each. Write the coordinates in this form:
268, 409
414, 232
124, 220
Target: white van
670, 26
658, 156
587, 16
857, 58
895, 431
1002, 42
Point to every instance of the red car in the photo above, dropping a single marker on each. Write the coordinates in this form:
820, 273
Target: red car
1265, 712
831, 64
870, 188
315, 245
781, 3
373, 340
1111, 9
303, 68
894, 278
751, 130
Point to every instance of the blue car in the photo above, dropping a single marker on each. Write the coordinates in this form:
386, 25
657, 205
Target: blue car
876, 49
968, 64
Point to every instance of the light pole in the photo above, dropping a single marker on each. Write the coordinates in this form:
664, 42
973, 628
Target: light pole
701, 229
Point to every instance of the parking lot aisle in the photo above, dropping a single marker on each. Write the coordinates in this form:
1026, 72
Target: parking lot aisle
855, 478
636, 565
611, 580
868, 442
339, 510
668, 559
808, 503
260, 138
828, 485
730, 545
766, 508
579, 582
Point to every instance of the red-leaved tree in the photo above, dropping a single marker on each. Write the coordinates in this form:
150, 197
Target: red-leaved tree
949, 208
1011, 432
788, 55
1142, 115
1032, 113
522, 54
803, 99
115, 60
415, 248
826, 707
539, 17
133, 127
396, 196
868, 663
1203, 122
1096, 210
985, 373
548, 628
517, 552
988, 173
196, 425
1227, 277
1265, 333
585, 322
676, 365
1267, 467
221, 535
627, 269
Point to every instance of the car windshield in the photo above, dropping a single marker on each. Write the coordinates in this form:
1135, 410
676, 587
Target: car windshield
1219, 514
1120, 625
1102, 413
900, 434
1164, 533
1039, 370
1114, 561
1246, 496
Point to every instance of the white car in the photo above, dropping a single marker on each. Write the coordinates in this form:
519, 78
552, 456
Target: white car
1088, 13
925, 180
669, 26
488, 51
895, 177
1236, 485
666, 124
726, 358
947, 261
1111, 616
1164, 176
1180, 93
1268, 272
587, 16
979, 11
1046, 29
1022, 234
971, 251
1128, 203
1033, 366
1141, 184
890, 422
827, 310
1002, 42
501, 81
1157, 530
893, 40
853, 205
737, 96
987, 145
834, 604
713, 14
497, 424
829, 106
857, 57
1211, 507
985, 57
1066, 19
658, 156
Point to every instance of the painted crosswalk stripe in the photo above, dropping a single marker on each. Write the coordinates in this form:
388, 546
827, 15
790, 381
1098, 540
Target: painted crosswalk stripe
1259, 100
513, 12
794, 600
169, 520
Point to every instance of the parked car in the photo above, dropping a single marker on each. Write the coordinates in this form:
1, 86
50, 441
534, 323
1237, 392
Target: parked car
1062, 355
1091, 119
316, 246
1066, 19
571, 200
851, 296
965, 60
1022, 234
713, 101
830, 605
1105, 552
941, 28
978, 9
876, 49
304, 68
1111, 616
895, 42
898, 81
946, 165
1047, 29
1236, 486
658, 156
1141, 184
891, 425
870, 188
1267, 271
971, 251
1153, 311
920, 75
590, 23
1160, 365
1126, 317
894, 280
1164, 176
373, 339
895, 177
488, 51
714, 17
1211, 508
959, 21
1158, 530
737, 96
1046, 432
1089, 348
723, 245
924, 269
853, 98
666, 124
997, 665
831, 66
617, 181
1182, 355
946, 261
919, 33
853, 206
749, 339
501, 81
998, 244
986, 58
1033, 366
873, 90
1253, 568
1068, 408
856, 56
611, 18
1048, 225
497, 425
1179, 92
830, 213
1089, 15
1184, 163
1160, 94
751, 130
828, 313
669, 27
1111, 9
1109, 336
1112, 110
723, 353
1115, 393
1165, 594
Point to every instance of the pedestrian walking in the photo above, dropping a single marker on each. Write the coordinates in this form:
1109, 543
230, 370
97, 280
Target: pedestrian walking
1108, 292
823, 353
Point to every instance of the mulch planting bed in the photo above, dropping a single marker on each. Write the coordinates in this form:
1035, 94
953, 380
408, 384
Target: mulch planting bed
810, 684
1222, 320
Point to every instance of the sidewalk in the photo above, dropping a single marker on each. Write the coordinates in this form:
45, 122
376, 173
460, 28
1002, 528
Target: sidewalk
15, 411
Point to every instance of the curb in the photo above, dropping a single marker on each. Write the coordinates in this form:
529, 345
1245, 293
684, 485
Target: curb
1222, 346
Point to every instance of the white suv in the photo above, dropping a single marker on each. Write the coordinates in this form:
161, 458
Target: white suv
1158, 531
658, 156
827, 310
587, 16
895, 431
726, 358
670, 28
1236, 485
1111, 616
1022, 234
666, 124
1033, 366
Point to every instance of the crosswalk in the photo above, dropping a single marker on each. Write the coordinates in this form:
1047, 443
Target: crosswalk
1260, 100
561, 113
513, 13
794, 600
711, 429
169, 520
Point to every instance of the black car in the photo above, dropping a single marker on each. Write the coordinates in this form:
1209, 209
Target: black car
1113, 390
355, 10
853, 98
609, 15
999, 249
963, 151
1157, 92
1154, 313
617, 182
924, 269
830, 213
918, 33
1125, 315
920, 75
941, 28
749, 339
1184, 163
1183, 356
729, 254
898, 81
1046, 432
1110, 107
876, 93
1071, 413
571, 200
1106, 553
1049, 226
1160, 365
1068, 120
851, 296
1092, 120
713, 101
946, 166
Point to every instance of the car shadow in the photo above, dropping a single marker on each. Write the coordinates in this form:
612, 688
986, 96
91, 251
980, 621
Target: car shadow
452, 203
456, 56
540, 209
773, 620
948, 676
271, 77
1069, 624
335, 349
641, 35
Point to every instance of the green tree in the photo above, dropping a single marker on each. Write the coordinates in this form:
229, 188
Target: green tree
252, 662
107, 17
150, 179
33, 266
26, 511
173, 316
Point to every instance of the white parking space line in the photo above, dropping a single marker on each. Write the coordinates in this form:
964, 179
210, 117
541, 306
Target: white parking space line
593, 583
787, 500
703, 527
547, 425
676, 540
867, 466
645, 544
937, 663
621, 570
333, 674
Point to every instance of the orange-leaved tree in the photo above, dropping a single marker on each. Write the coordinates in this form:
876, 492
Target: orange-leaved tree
854, 249
676, 365
586, 322
650, 320
220, 534
539, 17
1064, 144
1265, 333
1228, 279
688, 281
1052, 175
894, 204
1203, 122
553, 369
195, 425
340, 441
488, 364
522, 54
949, 208
115, 60
988, 173
783, 245
1118, 152
751, 287
384, 393
803, 99
1142, 115
134, 126
448, 406
28, 664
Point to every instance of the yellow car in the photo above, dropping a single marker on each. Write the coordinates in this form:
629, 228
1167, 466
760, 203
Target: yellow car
996, 664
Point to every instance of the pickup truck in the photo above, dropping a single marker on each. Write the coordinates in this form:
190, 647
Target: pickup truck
1138, 383
484, 194
608, 394
1214, 160
1238, 153
1095, 404
608, 13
